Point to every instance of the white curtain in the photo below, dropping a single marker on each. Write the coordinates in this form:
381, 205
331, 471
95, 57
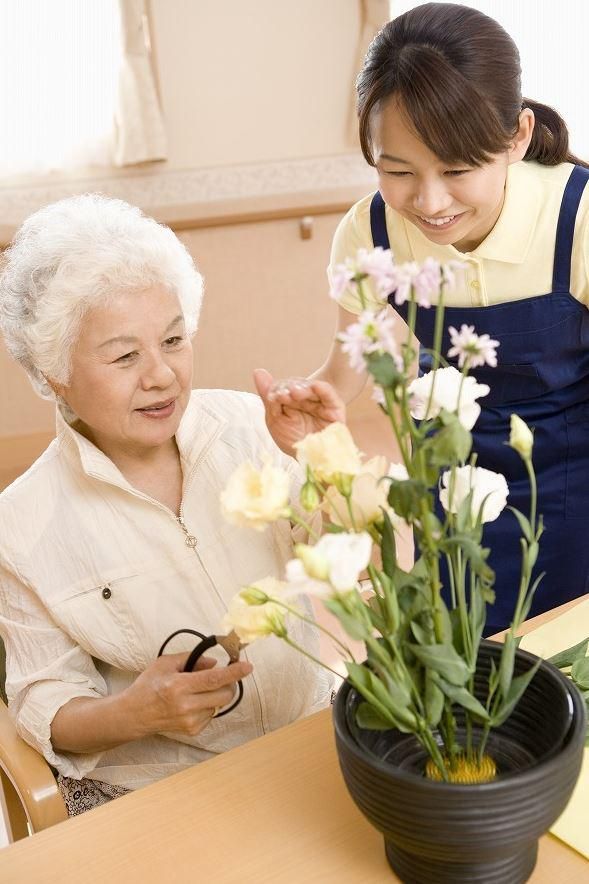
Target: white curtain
374, 14
139, 128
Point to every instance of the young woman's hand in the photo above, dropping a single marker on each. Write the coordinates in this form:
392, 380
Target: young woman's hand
297, 406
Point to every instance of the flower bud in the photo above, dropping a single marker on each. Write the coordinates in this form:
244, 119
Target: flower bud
310, 497
315, 564
254, 596
521, 437
343, 482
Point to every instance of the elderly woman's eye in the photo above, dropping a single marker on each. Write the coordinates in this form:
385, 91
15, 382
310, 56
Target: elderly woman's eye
175, 340
127, 357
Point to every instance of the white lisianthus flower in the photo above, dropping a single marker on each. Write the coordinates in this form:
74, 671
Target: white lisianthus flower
255, 497
489, 490
251, 619
336, 560
330, 453
448, 385
521, 437
368, 498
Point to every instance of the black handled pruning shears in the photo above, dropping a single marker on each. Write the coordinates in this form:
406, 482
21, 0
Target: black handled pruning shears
230, 643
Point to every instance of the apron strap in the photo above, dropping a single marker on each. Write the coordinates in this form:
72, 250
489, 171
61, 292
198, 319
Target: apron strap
378, 222
565, 231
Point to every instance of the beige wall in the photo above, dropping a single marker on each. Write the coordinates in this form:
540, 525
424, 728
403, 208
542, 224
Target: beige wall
250, 80
241, 81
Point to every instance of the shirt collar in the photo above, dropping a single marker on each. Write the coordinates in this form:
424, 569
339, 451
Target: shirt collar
198, 429
510, 239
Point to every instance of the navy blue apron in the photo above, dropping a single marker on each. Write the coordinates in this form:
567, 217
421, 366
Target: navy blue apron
543, 376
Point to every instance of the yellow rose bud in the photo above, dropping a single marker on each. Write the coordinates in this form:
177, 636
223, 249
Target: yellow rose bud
521, 437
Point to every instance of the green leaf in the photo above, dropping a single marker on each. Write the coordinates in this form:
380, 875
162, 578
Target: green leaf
449, 445
516, 690
464, 698
524, 524
383, 369
356, 629
473, 551
443, 659
388, 546
407, 496
434, 699
580, 673
384, 700
370, 718
330, 528
566, 658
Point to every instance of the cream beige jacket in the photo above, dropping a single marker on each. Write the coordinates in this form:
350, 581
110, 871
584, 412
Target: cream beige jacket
94, 575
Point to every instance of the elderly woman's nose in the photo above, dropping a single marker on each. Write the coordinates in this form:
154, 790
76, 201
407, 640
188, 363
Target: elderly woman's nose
157, 373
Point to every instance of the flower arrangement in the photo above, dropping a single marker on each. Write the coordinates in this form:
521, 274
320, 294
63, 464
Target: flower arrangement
421, 653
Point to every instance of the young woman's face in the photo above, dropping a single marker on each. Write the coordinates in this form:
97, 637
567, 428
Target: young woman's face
451, 204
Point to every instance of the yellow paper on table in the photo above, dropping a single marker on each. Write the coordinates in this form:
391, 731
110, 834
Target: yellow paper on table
561, 633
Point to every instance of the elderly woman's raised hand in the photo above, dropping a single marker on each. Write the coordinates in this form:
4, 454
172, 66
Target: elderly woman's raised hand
165, 699
297, 406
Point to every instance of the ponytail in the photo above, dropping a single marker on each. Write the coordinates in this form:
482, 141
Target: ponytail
550, 138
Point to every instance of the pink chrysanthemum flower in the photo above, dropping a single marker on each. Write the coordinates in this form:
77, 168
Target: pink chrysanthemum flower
373, 333
471, 349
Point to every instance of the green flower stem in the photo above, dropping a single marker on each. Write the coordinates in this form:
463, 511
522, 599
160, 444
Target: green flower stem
434, 570
396, 429
302, 651
348, 499
294, 517
432, 747
312, 622
526, 567
437, 345
483, 743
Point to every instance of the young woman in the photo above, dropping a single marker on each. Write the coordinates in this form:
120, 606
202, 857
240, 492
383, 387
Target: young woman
470, 170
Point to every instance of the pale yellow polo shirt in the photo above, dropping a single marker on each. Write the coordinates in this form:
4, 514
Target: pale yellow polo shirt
514, 261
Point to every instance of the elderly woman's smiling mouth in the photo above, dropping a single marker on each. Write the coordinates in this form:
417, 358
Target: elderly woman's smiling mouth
158, 410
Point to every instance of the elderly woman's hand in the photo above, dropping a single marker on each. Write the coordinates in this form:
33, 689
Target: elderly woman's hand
297, 406
164, 698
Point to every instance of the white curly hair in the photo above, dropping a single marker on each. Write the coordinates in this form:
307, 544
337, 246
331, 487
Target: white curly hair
72, 255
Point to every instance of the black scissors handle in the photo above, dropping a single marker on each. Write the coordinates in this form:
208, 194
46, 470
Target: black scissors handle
205, 644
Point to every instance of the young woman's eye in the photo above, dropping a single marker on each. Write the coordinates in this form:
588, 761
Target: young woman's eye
455, 172
171, 342
397, 174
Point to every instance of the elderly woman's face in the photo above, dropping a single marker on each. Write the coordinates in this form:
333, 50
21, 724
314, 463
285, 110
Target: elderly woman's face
131, 372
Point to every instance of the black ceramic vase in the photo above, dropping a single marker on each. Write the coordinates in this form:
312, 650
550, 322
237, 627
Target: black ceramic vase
444, 833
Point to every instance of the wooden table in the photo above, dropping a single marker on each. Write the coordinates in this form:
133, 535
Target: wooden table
274, 811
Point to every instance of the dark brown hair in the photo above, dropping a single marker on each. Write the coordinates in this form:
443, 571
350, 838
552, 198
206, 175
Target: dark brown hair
457, 76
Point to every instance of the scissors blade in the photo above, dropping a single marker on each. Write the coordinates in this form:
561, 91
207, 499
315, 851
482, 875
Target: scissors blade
232, 644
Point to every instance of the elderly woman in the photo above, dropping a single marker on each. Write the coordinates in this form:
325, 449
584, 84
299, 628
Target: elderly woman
114, 538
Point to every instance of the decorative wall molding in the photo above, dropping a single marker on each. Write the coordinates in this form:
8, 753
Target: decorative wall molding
156, 189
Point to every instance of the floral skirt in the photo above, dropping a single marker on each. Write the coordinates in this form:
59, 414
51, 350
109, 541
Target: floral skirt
82, 795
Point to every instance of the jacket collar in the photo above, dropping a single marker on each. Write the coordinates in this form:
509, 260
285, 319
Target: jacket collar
198, 429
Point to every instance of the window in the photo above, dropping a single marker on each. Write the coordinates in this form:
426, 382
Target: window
59, 71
